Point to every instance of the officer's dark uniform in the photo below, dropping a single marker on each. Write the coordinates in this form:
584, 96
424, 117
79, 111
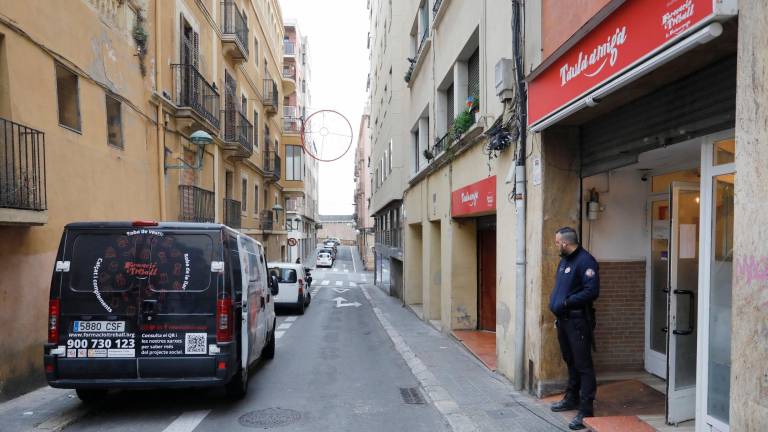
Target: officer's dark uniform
577, 285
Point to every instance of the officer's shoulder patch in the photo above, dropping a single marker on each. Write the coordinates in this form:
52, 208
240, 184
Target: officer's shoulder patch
590, 273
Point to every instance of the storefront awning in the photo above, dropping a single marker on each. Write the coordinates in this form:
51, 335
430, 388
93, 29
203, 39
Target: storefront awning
636, 39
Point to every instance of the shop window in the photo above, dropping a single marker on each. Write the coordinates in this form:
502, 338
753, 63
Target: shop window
114, 122
725, 152
68, 98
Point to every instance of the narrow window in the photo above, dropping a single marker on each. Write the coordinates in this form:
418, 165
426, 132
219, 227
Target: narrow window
256, 199
114, 122
68, 98
244, 195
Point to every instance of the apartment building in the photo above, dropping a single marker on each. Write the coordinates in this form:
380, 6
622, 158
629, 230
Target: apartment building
388, 44
363, 220
433, 100
300, 182
150, 110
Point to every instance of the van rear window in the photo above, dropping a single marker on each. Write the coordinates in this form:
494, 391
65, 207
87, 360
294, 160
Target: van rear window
118, 262
284, 275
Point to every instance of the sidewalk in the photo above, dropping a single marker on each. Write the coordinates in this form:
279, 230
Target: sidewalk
471, 397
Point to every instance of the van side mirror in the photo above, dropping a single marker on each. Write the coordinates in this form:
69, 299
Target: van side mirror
274, 286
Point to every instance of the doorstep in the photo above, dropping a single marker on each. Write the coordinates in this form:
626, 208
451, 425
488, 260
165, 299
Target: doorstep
482, 344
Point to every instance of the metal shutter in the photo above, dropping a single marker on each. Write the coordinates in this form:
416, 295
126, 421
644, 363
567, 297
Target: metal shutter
450, 110
699, 104
473, 71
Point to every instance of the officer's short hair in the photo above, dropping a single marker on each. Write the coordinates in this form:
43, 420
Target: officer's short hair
568, 235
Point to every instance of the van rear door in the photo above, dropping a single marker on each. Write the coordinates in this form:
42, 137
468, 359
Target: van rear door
100, 299
177, 317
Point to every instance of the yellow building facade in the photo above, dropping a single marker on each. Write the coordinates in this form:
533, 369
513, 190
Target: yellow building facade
98, 103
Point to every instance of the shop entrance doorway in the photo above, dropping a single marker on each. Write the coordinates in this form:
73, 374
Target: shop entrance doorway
486, 274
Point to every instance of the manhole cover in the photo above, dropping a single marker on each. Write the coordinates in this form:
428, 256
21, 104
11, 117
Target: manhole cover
412, 395
269, 418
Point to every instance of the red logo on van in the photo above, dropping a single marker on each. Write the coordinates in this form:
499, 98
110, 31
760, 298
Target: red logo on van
140, 269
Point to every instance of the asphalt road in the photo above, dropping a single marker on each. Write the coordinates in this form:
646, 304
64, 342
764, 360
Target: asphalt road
335, 369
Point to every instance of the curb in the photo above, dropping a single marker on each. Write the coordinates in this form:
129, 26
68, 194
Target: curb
439, 397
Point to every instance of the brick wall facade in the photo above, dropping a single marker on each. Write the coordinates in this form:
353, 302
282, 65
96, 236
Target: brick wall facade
620, 309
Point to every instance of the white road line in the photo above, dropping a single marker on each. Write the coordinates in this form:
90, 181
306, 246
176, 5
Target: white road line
284, 326
62, 420
187, 422
279, 334
291, 319
346, 270
325, 282
339, 283
352, 284
335, 269
351, 251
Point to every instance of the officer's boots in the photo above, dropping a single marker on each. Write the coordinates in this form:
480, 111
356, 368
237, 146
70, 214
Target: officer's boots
585, 410
570, 402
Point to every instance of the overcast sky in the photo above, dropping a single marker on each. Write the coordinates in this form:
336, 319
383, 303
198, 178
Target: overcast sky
337, 32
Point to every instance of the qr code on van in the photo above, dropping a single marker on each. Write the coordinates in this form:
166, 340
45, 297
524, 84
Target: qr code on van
196, 343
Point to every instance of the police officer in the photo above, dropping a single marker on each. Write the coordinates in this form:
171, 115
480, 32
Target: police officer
577, 285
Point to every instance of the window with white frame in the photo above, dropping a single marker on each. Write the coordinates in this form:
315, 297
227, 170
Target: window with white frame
293, 163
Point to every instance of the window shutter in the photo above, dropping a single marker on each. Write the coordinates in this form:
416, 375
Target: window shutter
450, 107
473, 70
196, 49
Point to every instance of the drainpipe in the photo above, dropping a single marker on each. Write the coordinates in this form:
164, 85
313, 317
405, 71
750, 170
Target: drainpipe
160, 116
520, 263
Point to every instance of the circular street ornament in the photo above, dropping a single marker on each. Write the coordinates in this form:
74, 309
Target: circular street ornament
326, 135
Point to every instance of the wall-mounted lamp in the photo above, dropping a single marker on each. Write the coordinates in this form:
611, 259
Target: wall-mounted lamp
200, 138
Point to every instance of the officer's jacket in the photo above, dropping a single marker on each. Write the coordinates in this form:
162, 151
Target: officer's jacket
577, 283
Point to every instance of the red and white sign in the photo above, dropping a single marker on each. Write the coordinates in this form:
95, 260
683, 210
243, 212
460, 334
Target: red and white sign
635, 30
475, 199
292, 241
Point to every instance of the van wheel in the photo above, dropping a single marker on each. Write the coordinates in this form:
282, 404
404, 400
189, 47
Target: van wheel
90, 395
301, 305
269, 351
237, 387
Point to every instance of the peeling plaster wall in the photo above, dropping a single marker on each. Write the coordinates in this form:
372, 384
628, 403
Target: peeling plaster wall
749, 347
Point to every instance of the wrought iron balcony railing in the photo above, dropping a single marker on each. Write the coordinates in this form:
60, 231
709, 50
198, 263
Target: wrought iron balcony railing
267, 222
232, 213
291, 125
289, 72
237, 129
272, 165
234, 23
289, 48
193, 91
270, 94
22, 167
196, 204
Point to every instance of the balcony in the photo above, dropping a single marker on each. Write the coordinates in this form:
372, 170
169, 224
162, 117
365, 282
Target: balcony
272, 166
289, 79
196, 204
270, 95
237, 133
267, 221
289, 72
232, 213
234, 29
289, 48
23, 195
195, 97
291, 125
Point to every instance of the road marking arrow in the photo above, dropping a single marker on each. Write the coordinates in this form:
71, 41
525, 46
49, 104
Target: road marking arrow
341, 290
340, 302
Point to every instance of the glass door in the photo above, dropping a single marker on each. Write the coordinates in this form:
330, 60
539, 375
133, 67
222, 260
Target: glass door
656, 290
714, 351
683, 294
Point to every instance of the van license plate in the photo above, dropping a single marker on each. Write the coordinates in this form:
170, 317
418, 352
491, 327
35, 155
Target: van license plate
98, 326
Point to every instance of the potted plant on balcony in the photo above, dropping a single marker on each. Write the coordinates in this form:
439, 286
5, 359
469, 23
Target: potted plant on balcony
462, 123
473, 105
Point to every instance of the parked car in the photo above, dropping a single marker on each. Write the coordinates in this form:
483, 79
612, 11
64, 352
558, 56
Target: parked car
335, 240
324, 260
293, 285
147, 304
331, 251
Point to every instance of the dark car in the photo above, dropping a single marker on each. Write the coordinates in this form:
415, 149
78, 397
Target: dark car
147, 305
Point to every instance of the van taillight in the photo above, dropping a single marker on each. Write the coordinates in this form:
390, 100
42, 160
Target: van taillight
144, 223
224, 320
54, 316
301, 286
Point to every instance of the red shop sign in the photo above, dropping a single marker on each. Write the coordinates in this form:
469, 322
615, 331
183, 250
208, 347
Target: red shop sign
635, 30
475, 199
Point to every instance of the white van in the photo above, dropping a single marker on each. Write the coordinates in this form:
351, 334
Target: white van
293, 285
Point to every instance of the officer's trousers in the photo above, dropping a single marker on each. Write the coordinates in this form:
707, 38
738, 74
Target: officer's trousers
576, 347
